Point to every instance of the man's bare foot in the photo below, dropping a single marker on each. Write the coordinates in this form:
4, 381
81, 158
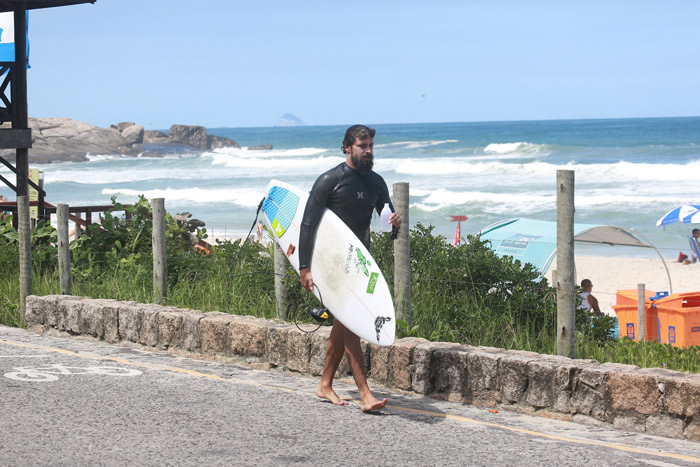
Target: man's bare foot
372, 404
329, 394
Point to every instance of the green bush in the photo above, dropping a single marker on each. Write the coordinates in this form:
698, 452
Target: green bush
469, 294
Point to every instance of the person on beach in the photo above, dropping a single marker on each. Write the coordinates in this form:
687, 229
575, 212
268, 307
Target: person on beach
694, 247
352, 191
695, 238
588, 302
3, 213
259, 229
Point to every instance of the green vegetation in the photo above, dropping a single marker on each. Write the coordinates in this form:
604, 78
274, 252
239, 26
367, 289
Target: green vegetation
460, 294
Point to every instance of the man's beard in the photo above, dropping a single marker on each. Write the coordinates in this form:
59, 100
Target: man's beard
363, 164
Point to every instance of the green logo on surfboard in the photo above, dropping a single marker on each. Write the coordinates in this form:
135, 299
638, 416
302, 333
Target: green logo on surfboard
278, 228
372, 282
362, 263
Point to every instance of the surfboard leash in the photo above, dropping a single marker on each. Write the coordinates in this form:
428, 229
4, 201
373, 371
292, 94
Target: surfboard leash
235, 260
320, 314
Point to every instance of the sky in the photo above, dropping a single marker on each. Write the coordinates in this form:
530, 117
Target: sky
231, 63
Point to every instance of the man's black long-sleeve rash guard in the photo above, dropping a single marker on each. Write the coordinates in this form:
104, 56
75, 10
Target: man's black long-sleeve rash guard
350, 194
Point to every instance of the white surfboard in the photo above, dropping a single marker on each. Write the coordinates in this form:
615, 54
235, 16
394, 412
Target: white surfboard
348, 278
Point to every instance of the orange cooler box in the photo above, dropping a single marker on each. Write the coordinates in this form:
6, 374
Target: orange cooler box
679, 319
627, 314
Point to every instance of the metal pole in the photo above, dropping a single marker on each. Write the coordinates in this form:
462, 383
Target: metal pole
25, 252
19, 96
20, 120
566, 295
641, 313
281, 264
402, 256
64, 272
160, 267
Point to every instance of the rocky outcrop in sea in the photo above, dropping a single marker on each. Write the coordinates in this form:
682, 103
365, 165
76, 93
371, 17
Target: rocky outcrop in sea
289, 120
63, 139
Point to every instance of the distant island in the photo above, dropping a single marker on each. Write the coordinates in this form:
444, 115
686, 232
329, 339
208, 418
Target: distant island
289, 120
63, 139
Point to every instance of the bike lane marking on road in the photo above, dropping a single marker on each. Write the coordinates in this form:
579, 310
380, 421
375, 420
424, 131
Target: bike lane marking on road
52, 372
24, 356
458, 418
147, 365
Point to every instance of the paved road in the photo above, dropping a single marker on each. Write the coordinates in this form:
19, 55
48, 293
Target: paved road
81, 402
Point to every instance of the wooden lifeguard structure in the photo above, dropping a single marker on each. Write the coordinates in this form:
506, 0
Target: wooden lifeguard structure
13, 109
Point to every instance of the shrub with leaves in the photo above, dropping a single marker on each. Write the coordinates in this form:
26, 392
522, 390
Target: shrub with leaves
43, 245
469, 294
125, 240
9, 257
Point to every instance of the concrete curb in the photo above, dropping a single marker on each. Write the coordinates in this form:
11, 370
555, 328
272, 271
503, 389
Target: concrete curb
656, 401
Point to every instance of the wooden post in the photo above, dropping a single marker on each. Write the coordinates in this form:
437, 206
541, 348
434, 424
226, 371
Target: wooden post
25, 252
281, 264
641, 313
402, 256
160, 268
566, 290
64, 272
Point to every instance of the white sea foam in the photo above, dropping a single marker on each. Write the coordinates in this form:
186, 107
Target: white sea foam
213, 166
487, 201
537, 200
420, 192
504, 148
229, 160
619, 172
506, 151
266, 153
122, 157
416, 144
123, 175
240, 197
461, 166
104, 157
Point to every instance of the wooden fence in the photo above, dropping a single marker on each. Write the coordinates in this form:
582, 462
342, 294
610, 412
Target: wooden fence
80, 215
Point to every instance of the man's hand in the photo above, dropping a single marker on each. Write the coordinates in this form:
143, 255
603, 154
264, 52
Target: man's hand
395, 220
307, 280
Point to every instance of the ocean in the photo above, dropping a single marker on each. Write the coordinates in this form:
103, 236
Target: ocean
628, 172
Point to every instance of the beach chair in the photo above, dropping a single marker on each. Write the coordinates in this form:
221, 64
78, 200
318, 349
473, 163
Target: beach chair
694, 251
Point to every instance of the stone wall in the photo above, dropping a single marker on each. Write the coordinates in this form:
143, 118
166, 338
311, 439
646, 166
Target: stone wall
656, 401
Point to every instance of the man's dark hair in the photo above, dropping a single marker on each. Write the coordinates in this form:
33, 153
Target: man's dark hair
696, 230
585, 283
356, 132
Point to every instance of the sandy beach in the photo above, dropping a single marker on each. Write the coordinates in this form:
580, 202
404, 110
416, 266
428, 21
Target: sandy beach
610, 274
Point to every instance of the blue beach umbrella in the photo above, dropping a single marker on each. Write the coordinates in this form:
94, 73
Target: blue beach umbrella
687, 214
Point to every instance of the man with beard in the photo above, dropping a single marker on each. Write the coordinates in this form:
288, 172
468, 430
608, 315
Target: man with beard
351, 190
